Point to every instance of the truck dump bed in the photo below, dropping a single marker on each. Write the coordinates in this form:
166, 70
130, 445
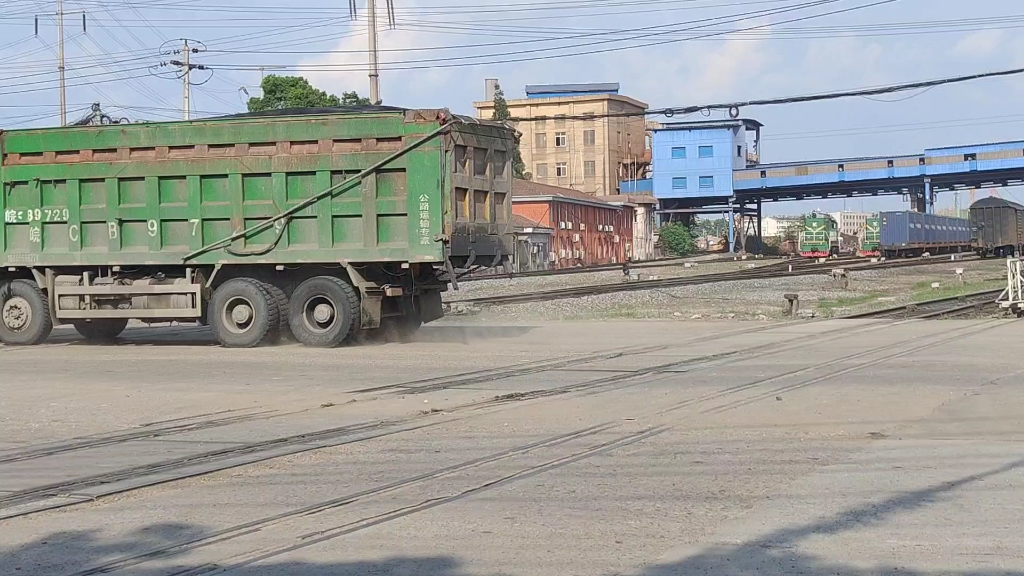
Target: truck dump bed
371, 184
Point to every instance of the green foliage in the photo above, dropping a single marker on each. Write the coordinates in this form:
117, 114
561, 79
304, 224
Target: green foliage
677, 239
502, 113
711, 227
281, 92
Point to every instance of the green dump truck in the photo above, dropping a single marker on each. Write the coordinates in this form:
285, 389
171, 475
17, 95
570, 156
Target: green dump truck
318, 223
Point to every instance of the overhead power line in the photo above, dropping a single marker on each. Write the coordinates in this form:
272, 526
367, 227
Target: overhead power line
499, 58
734, 107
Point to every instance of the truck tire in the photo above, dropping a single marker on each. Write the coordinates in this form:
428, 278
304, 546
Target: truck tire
323, 312
281, 298
24, 314
243, 314
100, 329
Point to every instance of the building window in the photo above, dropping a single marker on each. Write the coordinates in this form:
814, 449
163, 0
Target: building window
589, 168
561, 169
739, 151
561, 140
707, 182
679, 183
705, 151
559, 119
589, 138
540, 140
541, 170
679, 153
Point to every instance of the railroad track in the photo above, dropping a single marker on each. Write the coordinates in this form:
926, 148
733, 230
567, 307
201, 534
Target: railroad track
640, 265
444, 486
939, 307
89, 487
775, 270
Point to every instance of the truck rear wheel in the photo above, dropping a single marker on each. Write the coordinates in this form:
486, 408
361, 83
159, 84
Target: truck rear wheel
100, 329
24, 314
243, 314
323, 312
281, 299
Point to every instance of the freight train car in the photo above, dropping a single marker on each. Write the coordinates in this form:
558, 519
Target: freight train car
915, 233
997, 227
319, 223
819, 237
869, 244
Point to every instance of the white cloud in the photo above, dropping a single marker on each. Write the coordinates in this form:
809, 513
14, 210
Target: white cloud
979, 44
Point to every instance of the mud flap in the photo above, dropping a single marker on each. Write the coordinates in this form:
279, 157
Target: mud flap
429, 306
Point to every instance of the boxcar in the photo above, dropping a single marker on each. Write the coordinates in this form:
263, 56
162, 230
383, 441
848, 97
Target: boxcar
915, 233
316, 222
997, 227
819, 237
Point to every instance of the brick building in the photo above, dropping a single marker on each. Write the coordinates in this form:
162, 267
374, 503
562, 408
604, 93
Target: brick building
586, 230
570, 149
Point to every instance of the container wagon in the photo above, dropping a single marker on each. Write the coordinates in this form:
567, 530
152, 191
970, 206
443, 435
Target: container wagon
908, 234
819, 237
315, 222
869, 245
997, 227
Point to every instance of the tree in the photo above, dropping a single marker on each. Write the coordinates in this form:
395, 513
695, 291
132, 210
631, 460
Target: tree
501, 113
710, 227
281, 92
677, 239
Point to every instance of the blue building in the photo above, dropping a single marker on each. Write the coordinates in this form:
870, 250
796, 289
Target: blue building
697, 159
692, 164
713, 167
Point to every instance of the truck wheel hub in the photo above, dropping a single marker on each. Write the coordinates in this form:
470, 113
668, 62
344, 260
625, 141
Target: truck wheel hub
17, 313
322, 313
238, 315
241, 314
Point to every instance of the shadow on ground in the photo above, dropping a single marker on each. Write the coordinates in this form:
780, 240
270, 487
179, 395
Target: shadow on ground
86, 552
777, 552
151, 550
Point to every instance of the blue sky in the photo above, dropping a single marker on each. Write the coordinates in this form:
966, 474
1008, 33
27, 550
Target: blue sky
680, 52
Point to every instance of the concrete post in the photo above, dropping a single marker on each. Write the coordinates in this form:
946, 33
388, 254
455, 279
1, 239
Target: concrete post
732, 229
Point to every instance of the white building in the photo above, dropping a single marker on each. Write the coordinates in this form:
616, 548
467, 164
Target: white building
851, 223
776, 226
644, 207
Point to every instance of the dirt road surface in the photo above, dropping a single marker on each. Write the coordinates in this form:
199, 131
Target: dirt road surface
635, 447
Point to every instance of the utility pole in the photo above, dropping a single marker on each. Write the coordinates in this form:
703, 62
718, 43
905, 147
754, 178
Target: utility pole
60, 55
186, 66
371, 8
185, 85
60, 63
